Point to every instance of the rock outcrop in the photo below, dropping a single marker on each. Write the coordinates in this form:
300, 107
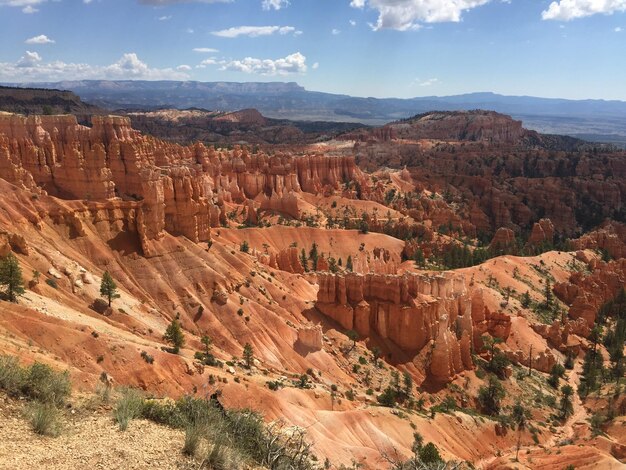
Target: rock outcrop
611, 238
311, 338
503, 240
413, 311
586, 293
176, 189
542, 233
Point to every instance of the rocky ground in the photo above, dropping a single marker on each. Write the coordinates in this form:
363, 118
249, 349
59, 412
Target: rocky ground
90, 439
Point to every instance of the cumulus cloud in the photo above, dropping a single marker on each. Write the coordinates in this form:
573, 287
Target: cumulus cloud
565, 10
275, 4
404, 15
205, 50
41, 39
255, 31
29, 59
292, 64
31, 67
27, 6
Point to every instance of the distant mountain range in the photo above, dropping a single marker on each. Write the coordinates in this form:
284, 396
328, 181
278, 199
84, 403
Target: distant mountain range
595, 120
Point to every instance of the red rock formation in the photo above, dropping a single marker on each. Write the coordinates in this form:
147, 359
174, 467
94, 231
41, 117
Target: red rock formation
181, 190
412, 311
311, 338
611, 237
559, 334
586, 293
496, 324
455, 125
503, 240
543, 232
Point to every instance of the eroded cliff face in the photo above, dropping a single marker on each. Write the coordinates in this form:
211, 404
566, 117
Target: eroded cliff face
487, 126
177, 189
586, 293
418, 313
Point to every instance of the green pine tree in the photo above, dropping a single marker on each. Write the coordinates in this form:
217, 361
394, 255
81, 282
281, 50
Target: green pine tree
248, 355
304, 261
11, 277
314, 256
174, 335
349, 266
108, 288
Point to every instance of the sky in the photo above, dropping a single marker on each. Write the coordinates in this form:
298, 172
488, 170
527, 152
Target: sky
379, 48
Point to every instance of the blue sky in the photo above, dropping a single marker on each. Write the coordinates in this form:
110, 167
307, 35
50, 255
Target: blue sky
382, 48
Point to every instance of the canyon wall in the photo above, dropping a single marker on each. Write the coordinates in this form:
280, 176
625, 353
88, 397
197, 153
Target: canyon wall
415, 312
179, 189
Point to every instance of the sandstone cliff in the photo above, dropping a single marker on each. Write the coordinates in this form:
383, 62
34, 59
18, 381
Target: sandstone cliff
181, 190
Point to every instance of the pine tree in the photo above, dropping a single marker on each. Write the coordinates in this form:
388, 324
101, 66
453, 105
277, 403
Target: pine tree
349, 266
526, 299
248, 355
11, 277
352, 336
207, 343
490, 397
518, 416
174, 335
419, 258
304, 261
108, 288
314, 256
548, 295
566, 403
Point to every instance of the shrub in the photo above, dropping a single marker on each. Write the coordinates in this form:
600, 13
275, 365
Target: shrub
52, 282
44, 419
193, 434
388, 397
43, 384
147, 357
129, 406
11, 375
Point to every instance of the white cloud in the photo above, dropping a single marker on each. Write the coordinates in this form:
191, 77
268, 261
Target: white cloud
403, 15
205, 50
209, 61
352, 23
29, 59
335, 32
27, 6
183, 68
41, 39
315, 66
275, 4
294, 63
429, 82
618, 29
31, 67
255, 31
565, 10
165, 18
